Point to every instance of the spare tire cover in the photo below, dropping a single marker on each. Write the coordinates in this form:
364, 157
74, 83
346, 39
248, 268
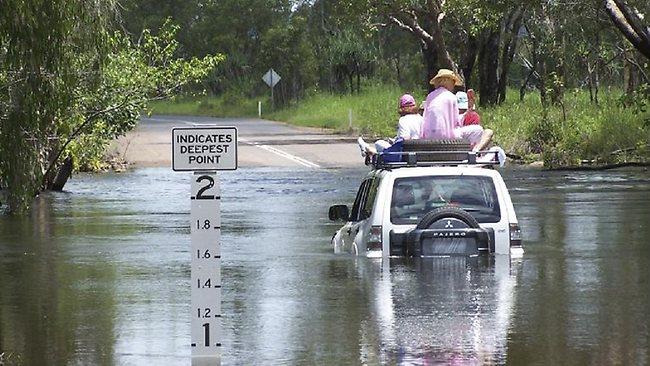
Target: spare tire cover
447, 217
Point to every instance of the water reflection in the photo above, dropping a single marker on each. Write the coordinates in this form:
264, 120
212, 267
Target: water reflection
439, 311
586, 270
100, 275
48, 301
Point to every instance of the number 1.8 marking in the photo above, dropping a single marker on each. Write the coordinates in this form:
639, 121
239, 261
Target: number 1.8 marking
203, 225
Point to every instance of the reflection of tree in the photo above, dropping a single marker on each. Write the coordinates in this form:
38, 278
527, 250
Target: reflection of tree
585, 296
621, 307
56, 310
545, 288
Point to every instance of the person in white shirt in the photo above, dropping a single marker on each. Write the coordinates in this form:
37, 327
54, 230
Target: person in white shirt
408, 127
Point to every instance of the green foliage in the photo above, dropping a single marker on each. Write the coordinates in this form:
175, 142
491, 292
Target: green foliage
589, 131
70, 85
639, 101
222, 106
350, 55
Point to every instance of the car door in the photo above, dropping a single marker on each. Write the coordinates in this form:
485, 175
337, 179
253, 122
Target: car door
356, 233
351, 228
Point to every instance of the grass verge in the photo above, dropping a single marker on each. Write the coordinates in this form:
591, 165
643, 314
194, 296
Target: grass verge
562, 135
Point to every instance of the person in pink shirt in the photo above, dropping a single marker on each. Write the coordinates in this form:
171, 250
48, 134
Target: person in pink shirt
441, 118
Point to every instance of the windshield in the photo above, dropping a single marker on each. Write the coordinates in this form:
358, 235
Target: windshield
414, 197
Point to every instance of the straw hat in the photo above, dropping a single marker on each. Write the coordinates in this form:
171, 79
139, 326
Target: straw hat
445, 73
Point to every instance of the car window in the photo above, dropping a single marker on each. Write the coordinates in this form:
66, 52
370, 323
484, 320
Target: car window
369, 199
356, 207
414, 197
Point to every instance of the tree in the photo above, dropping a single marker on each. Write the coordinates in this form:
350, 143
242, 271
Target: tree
67, 81
350, 56
424, 21
454, 34
630, 22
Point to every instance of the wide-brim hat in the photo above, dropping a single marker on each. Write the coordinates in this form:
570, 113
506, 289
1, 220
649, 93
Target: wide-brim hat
445, 73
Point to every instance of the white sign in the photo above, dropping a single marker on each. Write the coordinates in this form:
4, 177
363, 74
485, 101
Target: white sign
271, 78
204, 148
205, 278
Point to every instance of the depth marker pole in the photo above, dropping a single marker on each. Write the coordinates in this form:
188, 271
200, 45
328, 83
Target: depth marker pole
205, 150
205, 278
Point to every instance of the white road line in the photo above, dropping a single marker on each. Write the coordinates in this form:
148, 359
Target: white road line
283, 154
278, 152
189, 123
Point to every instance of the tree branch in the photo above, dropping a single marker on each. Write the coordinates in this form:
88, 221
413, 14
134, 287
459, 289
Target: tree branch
401, 24
620, 21
91, 118
634, 19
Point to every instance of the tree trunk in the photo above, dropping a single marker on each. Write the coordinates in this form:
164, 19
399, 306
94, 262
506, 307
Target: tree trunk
524, 85
398, 71
63, 173
509, 47
469, 59
630, 76
358, 72
430, 61
351, 79
488, 68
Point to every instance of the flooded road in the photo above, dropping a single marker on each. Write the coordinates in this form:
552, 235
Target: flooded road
100, 275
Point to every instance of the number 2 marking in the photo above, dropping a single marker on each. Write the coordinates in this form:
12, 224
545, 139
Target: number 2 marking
199, 194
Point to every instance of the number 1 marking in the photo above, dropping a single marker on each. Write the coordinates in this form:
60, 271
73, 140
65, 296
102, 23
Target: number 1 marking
207, 334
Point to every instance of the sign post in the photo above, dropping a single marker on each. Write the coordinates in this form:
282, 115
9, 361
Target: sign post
205, 150
271, 78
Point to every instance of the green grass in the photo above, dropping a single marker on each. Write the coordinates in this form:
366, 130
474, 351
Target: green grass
580, 130
560, 135
374, 112
206, 106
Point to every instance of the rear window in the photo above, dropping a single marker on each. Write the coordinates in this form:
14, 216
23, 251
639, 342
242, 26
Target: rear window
413, 197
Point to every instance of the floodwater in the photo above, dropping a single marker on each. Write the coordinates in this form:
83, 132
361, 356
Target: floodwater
100, 275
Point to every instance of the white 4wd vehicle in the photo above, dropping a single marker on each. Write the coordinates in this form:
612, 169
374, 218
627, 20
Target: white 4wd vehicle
432, 208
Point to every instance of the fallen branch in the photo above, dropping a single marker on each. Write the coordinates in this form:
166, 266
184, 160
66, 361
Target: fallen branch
603, 167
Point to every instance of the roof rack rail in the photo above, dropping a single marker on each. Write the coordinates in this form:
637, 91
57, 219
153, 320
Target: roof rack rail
391, 160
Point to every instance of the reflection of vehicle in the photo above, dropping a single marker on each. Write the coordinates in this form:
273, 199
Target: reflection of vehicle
438, 311
429, 209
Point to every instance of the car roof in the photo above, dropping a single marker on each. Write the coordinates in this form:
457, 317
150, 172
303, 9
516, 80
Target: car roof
435, 170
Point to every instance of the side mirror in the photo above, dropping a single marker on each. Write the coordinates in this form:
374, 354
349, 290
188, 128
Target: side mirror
339, 212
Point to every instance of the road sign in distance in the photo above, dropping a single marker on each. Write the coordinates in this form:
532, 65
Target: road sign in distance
271, 78
204, 148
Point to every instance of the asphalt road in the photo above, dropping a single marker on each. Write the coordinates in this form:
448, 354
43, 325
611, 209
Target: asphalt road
261, 143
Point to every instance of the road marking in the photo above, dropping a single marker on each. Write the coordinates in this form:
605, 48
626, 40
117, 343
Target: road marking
268, 148
283, 154
189, 123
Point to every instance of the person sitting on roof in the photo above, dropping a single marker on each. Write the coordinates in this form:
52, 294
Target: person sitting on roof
467, 113
408, 127
441, 118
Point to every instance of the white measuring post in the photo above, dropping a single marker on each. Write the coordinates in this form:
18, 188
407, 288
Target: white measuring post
205, 150
205, 278
259, 109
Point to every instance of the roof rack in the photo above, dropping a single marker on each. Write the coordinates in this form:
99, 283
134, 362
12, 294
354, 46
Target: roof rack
391, 160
